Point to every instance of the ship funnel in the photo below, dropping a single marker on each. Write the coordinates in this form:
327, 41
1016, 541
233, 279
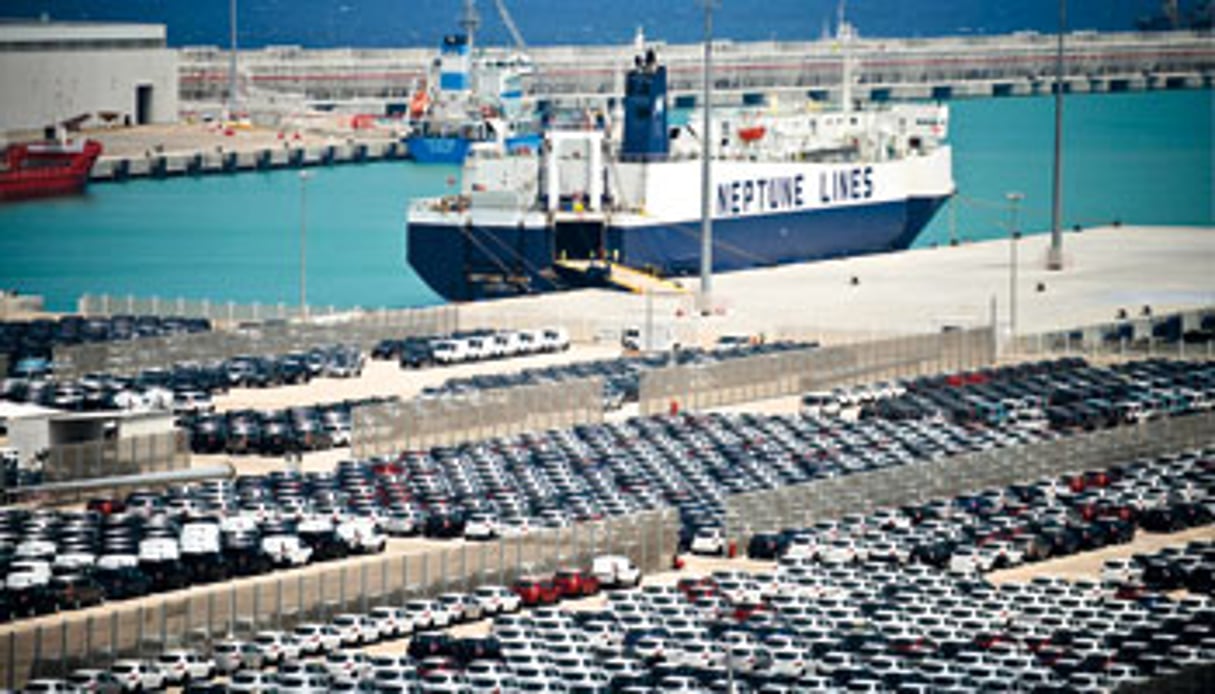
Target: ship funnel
645, 111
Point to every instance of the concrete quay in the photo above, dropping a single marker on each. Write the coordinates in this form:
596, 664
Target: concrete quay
921, 290
161, 151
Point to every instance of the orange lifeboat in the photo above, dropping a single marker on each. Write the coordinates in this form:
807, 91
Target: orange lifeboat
752, 133
419, 104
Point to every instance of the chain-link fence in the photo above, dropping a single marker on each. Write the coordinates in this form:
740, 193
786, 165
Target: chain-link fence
54, 646
797, 371
802, 505
392, 427
1181, 335
363, 330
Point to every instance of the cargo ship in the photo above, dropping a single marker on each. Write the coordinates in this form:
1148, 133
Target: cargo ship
45, 169
786, 187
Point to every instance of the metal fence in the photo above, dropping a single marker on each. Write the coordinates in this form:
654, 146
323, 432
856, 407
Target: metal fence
132, 455
53, 646
363, 329
1180, 335
802, 505
216, 311
392, 427
798, 371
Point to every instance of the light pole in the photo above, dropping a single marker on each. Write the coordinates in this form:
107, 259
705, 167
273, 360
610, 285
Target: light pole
1014, 204
304, 176
706, 153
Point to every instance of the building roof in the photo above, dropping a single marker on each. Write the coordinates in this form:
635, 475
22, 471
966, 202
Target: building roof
37, 31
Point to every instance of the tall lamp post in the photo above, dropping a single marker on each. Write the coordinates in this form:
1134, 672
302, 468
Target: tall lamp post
304, 176
1014, 234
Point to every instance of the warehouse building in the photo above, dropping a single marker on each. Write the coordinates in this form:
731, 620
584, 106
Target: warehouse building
83, 73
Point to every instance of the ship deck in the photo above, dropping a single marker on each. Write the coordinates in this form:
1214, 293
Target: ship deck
923, 290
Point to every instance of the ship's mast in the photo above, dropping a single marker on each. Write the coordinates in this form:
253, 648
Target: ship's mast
232, 100
706, 153
845, 33
469, 22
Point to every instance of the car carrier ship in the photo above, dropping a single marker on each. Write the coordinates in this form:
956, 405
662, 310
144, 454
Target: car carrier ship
786, 187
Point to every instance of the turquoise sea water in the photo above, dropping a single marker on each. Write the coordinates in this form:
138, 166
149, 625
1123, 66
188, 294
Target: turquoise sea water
1142, 158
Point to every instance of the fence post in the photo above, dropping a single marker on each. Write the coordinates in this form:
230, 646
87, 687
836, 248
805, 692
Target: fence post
232, 611
363, 587
63, 639
342, 588
12, 661
139, 632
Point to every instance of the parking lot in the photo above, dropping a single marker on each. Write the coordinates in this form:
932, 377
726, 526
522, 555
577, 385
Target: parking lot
536, 496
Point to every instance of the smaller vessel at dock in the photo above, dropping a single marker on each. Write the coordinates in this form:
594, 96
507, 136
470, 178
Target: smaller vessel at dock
45, 169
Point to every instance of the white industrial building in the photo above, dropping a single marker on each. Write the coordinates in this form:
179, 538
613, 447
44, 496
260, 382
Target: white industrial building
90, 73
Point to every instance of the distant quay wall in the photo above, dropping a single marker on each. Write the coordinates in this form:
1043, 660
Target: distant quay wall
375, 80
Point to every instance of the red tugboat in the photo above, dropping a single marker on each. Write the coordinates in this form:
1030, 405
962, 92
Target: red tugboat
43, 169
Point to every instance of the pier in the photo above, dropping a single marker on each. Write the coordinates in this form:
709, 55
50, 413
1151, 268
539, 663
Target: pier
886, 69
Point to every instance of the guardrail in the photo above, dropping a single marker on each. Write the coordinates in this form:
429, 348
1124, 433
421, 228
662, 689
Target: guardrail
53, 646
418, 424
801, 505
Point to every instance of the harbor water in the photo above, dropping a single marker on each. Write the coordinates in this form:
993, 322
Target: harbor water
1138, 158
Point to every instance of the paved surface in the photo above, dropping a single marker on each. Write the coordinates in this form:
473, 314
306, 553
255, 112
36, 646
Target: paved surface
1168, 268
1087, 566
196, 137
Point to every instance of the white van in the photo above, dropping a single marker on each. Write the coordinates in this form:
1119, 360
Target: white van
286, 550
449, 351
200, 538
615, 571
555, 339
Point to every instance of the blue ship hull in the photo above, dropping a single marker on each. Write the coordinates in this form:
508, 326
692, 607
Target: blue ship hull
469, 263
454, 149
438, 150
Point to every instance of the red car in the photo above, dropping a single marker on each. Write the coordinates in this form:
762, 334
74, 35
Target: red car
534, 591
575, 583
106, 507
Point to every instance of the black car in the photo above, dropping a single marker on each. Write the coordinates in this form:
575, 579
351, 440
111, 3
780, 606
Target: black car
75, 591
416, 354
767, 546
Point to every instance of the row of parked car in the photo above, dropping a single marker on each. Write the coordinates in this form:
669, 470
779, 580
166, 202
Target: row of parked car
1065, 395
1006, 527
273, 432
325, 656
464, 346
28, 344
147, 543
551, 479
186, 387
621, 375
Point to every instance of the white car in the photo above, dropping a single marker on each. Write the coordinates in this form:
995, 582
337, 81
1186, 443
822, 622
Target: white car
355, 629
497, 600
428, 614
317, 638
253, 682
481, 526
361, 535
138, 675
709, 541
181, 666
391, 621
286, 550
277, 646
